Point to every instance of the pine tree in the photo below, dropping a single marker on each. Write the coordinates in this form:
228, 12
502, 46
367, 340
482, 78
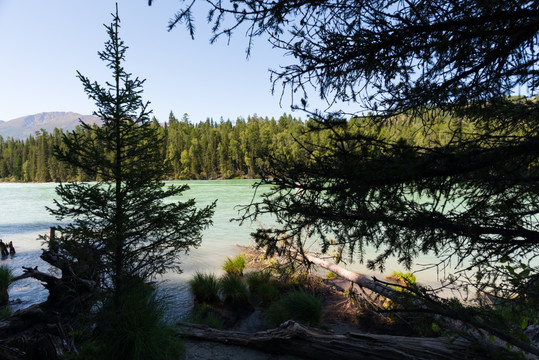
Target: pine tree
123, 226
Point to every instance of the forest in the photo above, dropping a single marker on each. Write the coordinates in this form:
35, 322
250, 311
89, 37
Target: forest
205, 150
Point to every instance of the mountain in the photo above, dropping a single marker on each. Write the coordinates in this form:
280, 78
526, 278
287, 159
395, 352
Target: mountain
25, 126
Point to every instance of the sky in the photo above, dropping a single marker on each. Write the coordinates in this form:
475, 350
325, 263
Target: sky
44, 43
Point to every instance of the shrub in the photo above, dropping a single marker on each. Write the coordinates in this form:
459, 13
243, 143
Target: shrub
235, 266
255, 279
134, 330
233, 289
297, 305
204, 288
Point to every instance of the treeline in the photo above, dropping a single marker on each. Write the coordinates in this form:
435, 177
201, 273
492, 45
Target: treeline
206, 150
220, 150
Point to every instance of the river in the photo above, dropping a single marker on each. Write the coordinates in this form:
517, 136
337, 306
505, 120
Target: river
23, 217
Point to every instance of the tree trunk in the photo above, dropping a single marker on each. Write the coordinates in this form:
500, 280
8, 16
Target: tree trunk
478, 332
292, 338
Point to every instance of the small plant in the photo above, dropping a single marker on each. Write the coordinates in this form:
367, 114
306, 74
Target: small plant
297, 305
331, 275
404, 279
268, 292
5, 280
233, 289
135, 330
255, 279
235, 266
260, 282
204, 314
204, 288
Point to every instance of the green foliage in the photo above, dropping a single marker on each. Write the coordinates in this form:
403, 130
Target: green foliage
205, 288
134, 330
261, 283
297, 305
331, 275
233, 289
268, 292
124, 222
256, 278
194, 150
235, 265
204, 314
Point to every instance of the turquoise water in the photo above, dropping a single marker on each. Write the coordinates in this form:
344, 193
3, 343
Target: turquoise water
23, 217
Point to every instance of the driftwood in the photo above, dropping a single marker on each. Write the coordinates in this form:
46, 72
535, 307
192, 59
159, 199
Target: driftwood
35, 333
295, 339
470, 328
42, 331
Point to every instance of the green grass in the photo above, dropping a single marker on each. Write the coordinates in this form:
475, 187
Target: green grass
233, 289
268, 293
235, 265
205, 288
204, 314
134, 330
264, 286
297, 305
255, 279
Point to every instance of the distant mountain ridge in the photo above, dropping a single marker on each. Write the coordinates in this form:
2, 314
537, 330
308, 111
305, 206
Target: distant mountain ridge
23, 127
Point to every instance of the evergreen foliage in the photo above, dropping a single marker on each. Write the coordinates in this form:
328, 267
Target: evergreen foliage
468, 195
440, 158
120, 226
204, 150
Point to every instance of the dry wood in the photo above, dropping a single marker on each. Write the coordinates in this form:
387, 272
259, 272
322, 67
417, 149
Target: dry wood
295, 339
470, 328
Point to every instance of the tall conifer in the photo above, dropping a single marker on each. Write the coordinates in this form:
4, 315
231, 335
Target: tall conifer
123, 226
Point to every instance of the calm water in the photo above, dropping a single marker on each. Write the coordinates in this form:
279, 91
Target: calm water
23, 218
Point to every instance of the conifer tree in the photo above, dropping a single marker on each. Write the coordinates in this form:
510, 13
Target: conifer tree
124, 226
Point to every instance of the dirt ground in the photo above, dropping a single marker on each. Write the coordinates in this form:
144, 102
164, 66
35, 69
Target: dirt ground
206, 350
335, 319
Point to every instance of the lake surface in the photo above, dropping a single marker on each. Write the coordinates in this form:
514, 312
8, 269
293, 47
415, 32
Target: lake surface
23, 217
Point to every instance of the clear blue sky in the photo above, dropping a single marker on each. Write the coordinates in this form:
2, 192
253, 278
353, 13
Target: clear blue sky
44, 42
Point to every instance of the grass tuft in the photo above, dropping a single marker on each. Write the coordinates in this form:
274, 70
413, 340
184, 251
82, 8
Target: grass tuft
135, 330
233, 289
297, 305
235, 265
205, 288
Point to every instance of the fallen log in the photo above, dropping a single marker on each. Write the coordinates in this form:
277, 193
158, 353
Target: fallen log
295, 339
43, 331
468, 327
